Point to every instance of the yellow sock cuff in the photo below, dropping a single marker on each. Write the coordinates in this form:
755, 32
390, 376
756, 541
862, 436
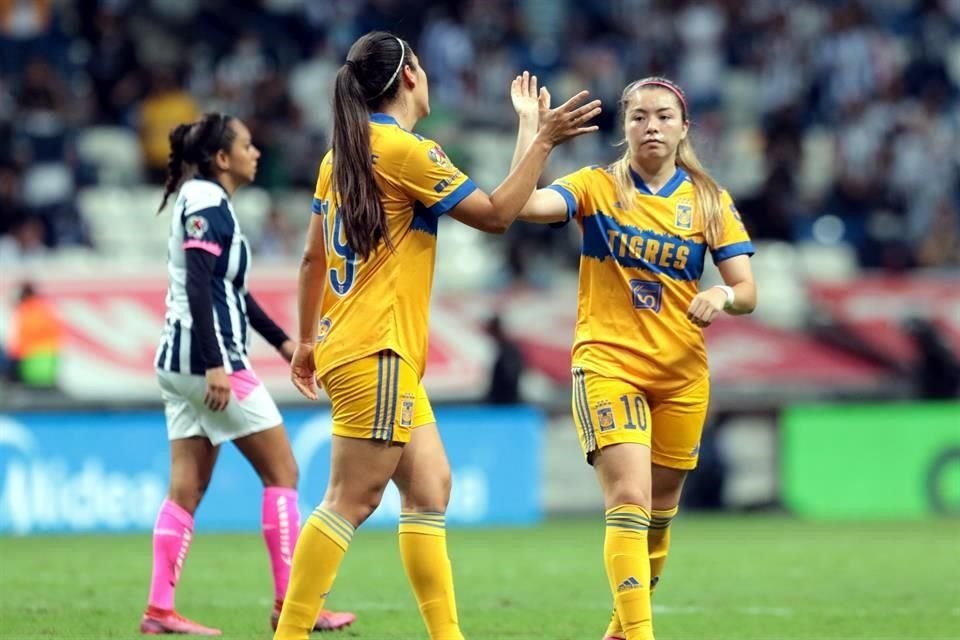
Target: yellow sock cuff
660, 518
429, 523
631, 517
333, 525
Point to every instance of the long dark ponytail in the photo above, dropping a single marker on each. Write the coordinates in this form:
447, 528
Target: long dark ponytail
369, 78
196, 144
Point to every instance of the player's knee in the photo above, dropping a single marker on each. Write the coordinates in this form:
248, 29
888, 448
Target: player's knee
356, 507
446, 486
187, 495
357, 512
627, 493
434, 502
284, 474
432, 495
667, 487
665, 497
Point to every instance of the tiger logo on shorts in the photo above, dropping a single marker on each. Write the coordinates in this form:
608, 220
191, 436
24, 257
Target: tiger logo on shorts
605, 416
406, 410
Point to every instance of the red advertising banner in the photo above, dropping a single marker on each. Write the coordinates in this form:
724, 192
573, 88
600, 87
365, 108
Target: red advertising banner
113, 324
878, 308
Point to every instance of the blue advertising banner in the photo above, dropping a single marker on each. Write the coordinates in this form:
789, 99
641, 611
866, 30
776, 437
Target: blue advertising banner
108, 471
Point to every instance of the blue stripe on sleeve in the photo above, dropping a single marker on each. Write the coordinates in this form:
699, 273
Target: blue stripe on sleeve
569, 199
731, 250
453, 198
316, 206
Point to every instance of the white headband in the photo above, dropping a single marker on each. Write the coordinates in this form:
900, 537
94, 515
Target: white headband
403, 52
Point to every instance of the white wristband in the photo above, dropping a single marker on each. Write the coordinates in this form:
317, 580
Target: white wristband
731, 297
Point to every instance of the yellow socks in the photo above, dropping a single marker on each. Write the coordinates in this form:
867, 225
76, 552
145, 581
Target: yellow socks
423, 548
658, 544
628, 568
320, 548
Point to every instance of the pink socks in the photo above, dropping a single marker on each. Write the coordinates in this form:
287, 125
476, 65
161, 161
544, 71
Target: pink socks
173, 533
281, 524
171, 540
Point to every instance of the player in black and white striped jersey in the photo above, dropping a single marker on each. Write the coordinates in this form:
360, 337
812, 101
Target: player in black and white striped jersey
210, 392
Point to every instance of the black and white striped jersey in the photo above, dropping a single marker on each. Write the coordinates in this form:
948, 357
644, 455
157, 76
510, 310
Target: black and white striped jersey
203, 219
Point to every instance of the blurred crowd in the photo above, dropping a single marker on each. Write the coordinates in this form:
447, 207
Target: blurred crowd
829, 122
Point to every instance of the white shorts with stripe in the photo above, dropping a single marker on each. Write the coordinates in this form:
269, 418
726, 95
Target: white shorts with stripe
251, 408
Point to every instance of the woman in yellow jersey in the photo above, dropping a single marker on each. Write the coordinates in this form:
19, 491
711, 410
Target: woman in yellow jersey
640, 377
363, 303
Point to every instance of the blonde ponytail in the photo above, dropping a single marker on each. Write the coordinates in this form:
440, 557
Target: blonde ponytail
708, 204
621, 176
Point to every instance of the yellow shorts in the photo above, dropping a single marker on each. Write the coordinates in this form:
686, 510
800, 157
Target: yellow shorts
610, 411
378, 397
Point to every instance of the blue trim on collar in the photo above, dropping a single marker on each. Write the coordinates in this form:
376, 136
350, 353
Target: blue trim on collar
666, 190
383, 118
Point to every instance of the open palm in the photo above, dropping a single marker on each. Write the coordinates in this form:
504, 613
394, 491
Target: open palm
527, 101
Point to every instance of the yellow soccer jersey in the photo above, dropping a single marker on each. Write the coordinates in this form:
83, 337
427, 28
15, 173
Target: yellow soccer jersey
640, 267
384, 302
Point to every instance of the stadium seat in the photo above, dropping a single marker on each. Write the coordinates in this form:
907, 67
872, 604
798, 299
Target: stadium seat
817, 169
252, 204
465, 257
826, 262
47, 184
783, 299
114, 152
295, 204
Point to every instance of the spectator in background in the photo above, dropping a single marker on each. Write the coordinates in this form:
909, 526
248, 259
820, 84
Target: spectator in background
27, 30
24, 244
277, 237
166, 105
936, 370
43, 138
35, 341
507, 367
11, 210
241, 71
114, 68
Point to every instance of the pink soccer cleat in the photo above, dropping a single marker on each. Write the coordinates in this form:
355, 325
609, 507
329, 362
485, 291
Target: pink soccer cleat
159, 621
326, 620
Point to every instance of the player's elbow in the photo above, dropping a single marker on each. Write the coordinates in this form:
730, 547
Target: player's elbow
746, 304
311, 257
498, 225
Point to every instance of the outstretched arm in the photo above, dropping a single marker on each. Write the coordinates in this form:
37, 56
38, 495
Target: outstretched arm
544, 205
495, 212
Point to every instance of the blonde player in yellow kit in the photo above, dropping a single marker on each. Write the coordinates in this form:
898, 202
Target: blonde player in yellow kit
640, 380
363, 302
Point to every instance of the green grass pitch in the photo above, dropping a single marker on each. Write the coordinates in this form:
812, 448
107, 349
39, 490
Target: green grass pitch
728, 578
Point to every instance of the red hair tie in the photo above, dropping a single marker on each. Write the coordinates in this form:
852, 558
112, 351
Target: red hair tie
672, 88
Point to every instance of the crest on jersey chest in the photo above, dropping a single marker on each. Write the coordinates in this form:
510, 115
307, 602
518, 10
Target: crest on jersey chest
683, 218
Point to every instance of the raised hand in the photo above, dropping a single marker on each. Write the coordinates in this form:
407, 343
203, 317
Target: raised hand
569, 119
525, 98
